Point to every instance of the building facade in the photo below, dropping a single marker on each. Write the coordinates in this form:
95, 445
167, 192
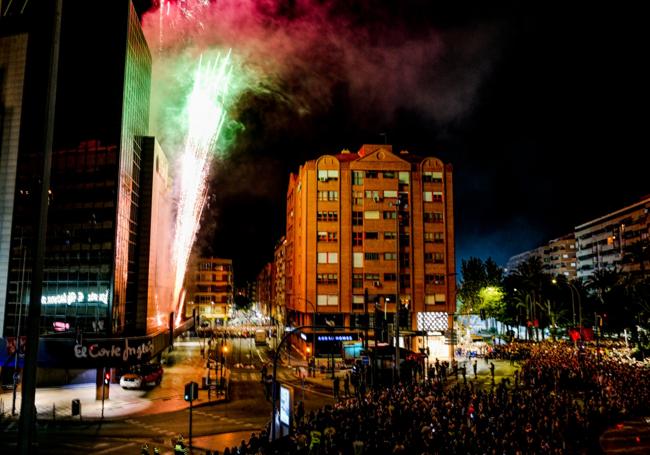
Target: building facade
105, 259
209, 284
369, 233
603, 243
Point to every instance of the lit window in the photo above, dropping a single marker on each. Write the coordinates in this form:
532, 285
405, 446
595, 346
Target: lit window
389, 174
404, 178
388, 235
390, 193
390, 215
327, 300
374, 195
357, 260
357, 197
427, 196
326, 175
357, 177
440, 299
430, 299
371, 215
390, 256
328, 195
371, 277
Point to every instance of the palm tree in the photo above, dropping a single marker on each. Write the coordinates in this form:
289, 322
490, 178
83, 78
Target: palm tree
602, 282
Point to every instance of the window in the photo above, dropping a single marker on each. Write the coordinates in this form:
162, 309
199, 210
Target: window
438, 237
405, 281
357, 260
432, 217
390, 215
436, 279
357, 218
374, 195
372, 235
372, 256
389, 174
326, 175
357, 177
390, 277
327, 278
357, 280
428, 258
324, 236
358, 302
327, 300
371, 215
390, 235
328, 195
430, 299
327, 216
432, 177
438, 258
357, 238
371, 277
328, 257
404, 178
404, 239
390, 256
427, 196
357, 197
404, 259
390, 193
428, 237
371, 174
437, 196
440, 299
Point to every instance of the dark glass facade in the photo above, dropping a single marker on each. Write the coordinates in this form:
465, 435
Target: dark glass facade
90, 267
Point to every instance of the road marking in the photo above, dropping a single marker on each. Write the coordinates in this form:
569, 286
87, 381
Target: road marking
115, 449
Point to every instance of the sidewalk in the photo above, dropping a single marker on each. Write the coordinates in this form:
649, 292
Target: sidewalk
56, 402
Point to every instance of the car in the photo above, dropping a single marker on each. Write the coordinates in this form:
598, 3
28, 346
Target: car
151, 374
142, 375
131, 381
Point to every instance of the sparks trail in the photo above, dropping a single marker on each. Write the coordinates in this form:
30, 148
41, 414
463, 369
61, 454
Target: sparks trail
205, 114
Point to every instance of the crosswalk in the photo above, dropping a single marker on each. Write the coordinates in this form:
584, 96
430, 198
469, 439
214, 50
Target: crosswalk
245, 375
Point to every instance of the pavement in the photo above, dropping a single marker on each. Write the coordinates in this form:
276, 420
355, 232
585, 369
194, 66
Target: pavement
55, 403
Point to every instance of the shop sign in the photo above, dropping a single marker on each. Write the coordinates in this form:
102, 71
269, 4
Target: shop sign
335, 338
121, 349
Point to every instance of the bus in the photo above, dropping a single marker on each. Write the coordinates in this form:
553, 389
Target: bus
260, 337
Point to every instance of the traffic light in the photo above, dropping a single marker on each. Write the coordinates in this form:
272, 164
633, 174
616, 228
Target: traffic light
107, 378
191, 391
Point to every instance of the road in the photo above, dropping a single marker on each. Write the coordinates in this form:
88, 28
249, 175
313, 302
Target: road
214, 424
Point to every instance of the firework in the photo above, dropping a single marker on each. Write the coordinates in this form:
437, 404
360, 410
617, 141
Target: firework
205, 114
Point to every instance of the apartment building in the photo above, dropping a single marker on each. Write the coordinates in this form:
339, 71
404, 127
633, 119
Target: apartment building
209, 289
369, 233
604, 241
558, 257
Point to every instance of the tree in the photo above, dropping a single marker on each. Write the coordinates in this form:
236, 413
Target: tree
242, 302
474, 278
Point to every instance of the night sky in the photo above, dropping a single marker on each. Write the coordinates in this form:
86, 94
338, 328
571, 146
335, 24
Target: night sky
534, 105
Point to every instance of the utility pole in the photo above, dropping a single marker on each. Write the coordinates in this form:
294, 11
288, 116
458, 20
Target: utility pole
47, 31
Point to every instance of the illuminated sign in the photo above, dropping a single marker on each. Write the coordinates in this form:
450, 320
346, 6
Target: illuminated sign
75, 297
116, 350
285, 405
335, 338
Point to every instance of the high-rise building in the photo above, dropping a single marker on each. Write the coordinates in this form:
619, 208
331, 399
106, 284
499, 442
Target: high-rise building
209, 290
368, 233
606, 241
103, 278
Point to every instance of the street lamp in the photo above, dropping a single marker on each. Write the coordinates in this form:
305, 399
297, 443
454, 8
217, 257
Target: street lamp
572, 288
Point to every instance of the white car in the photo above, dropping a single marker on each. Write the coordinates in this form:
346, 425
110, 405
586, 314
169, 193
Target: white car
131, 381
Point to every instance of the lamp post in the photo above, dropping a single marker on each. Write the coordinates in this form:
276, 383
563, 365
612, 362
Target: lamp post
572, 288
313, 318
397, 297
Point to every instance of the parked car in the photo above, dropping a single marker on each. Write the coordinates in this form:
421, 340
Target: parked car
142, 375
131, 380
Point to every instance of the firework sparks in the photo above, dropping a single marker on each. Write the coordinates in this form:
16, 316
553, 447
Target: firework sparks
205, 113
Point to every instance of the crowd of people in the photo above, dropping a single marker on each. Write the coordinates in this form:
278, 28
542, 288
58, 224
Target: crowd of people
560, 401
